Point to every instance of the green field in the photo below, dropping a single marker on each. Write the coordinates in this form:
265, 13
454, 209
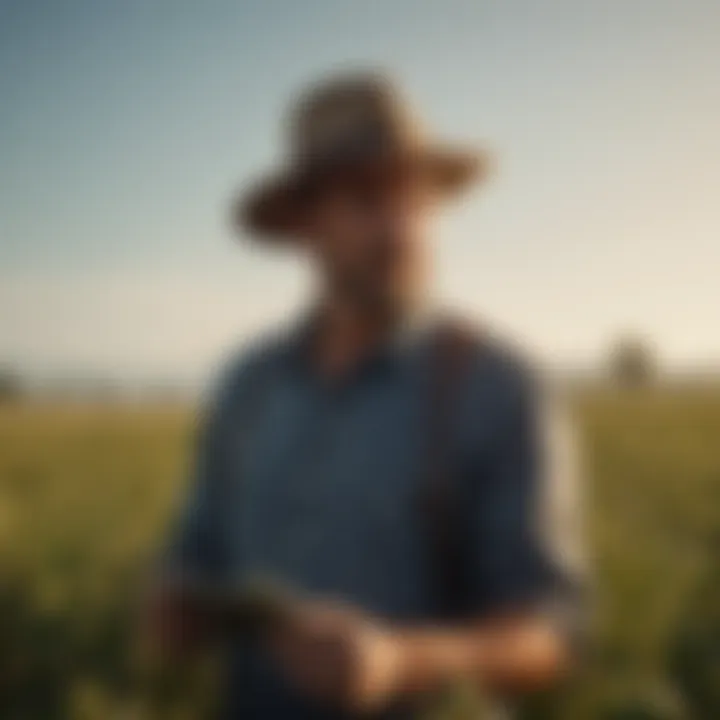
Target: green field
86, 493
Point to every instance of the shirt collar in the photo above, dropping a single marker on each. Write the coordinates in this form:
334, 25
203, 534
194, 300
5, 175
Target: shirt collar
397, 348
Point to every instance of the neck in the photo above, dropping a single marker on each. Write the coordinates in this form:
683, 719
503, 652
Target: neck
347, 333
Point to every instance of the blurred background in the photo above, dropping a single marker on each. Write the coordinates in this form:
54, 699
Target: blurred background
125, 129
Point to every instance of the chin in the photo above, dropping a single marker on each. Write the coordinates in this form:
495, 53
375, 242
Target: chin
392, 302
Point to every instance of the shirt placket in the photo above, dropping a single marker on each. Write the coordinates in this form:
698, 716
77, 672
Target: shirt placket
308, 482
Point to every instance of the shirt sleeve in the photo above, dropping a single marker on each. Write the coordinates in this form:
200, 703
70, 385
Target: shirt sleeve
525, 532
196, 548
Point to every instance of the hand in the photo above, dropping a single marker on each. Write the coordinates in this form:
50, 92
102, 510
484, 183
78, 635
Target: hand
339, 656
171, 625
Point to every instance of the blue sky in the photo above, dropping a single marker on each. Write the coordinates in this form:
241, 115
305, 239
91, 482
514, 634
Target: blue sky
126, 126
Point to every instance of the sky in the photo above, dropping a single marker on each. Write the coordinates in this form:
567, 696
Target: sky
126, 128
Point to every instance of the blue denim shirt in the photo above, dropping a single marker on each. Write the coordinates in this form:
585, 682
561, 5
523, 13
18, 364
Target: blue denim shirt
317, 484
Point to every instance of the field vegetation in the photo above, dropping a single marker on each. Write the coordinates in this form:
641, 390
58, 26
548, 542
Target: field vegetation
86, 493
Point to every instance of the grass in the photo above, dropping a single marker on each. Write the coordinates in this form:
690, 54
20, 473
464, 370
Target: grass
86, 494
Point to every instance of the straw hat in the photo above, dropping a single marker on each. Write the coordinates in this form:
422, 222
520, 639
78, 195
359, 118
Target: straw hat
349, 124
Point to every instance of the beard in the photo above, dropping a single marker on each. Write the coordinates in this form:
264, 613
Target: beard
382, 294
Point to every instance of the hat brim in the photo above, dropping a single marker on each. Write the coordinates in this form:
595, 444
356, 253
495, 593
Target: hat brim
271, 210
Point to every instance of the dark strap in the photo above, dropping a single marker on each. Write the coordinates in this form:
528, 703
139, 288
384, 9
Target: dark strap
452, 353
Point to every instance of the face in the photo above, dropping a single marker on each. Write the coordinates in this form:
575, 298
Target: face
369, 237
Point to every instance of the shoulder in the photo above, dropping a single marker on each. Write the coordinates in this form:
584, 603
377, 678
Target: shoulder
244, 369
500, 373
508, 390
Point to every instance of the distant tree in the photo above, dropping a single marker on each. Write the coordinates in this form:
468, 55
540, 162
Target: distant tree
10, 385
633, 361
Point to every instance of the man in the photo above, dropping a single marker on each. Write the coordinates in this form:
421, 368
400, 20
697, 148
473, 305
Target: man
316, 452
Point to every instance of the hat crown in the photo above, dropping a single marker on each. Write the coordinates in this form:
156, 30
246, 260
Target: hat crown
348, 116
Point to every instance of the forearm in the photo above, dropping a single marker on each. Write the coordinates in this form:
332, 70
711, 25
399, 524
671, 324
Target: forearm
508, 655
